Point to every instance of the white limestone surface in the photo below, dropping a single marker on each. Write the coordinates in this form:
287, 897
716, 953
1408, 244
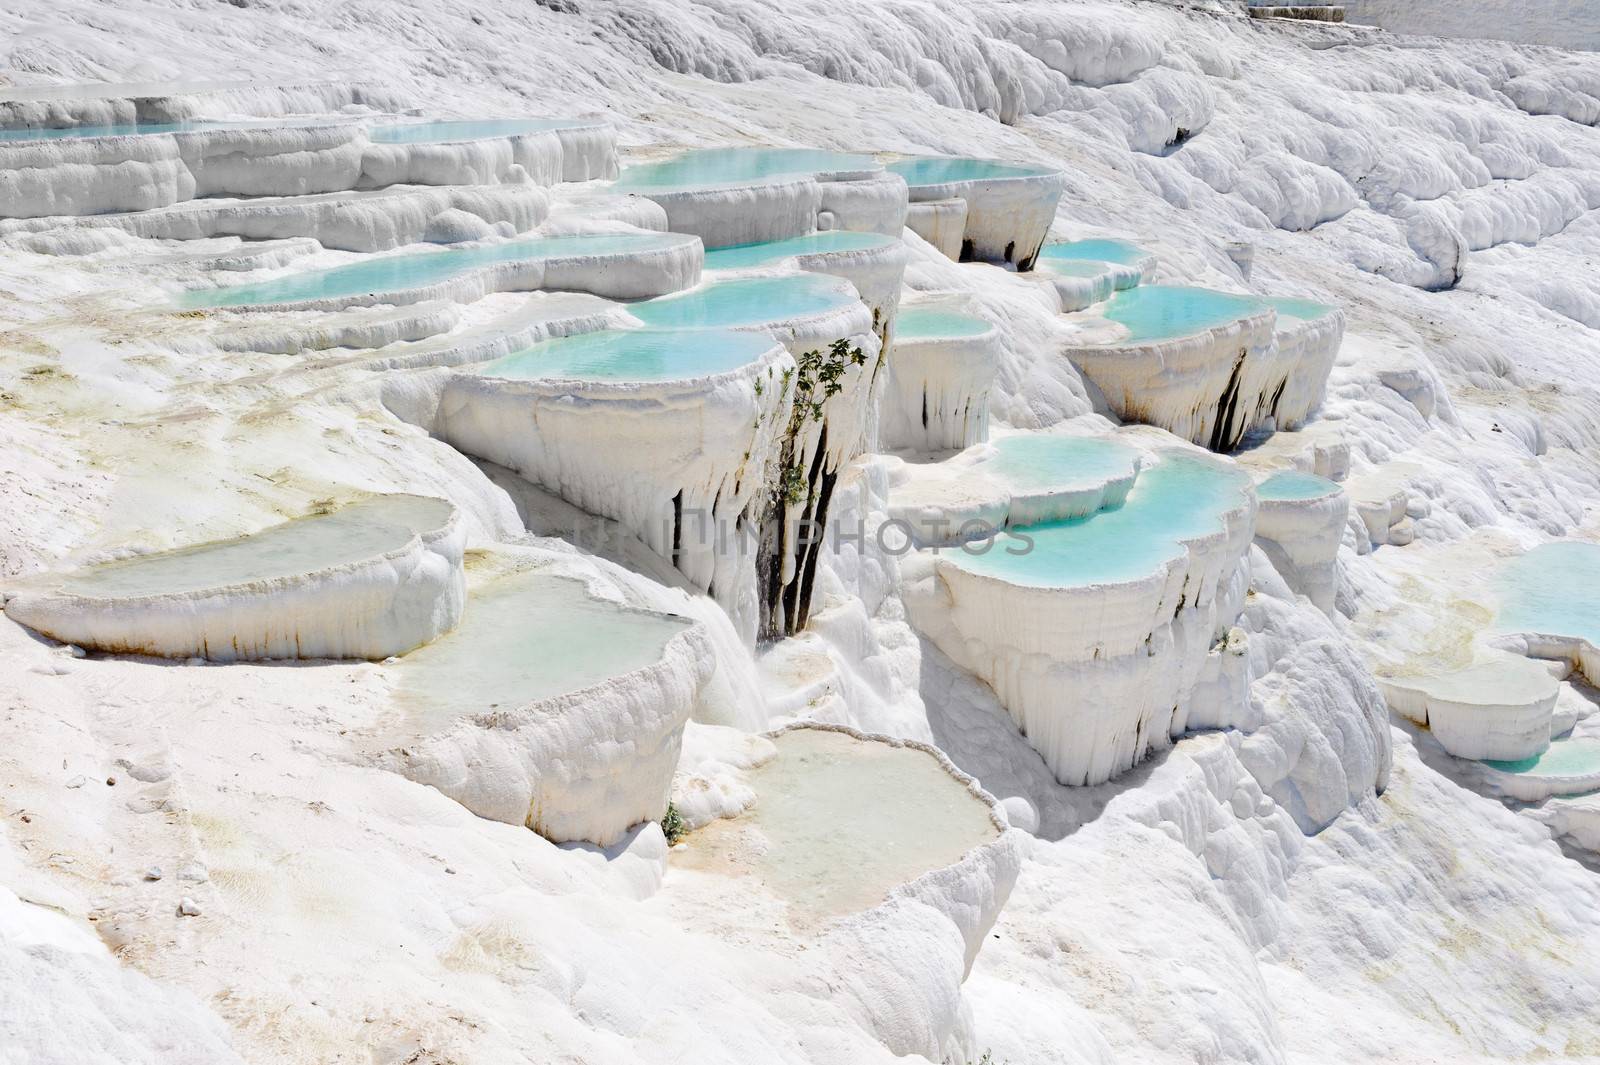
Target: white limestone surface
370, 579
623, 264
942, 223
65, 998
548, 707
869, 847
1300, 523
1009, 209
349, 221
1308, 337
1499, 707
92, 175
1209, 385
1017, 479
1102, 637
942, 363
677, 454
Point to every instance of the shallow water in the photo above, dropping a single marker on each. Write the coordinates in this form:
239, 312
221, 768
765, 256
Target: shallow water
712, 167
940, 170
353, 533
1103, 250
523, 638
1160, 312
922, 323
1563, 758
397, 273
482, 129
1293, 484
846, 821
1039, 462
1177, 498
745, 302
1296, 309
633, 355
1553, 590
741, 256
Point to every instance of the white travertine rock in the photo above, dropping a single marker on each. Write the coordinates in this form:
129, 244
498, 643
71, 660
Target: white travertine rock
889, 863
941, 223
750, 214
1300, 522
682, 463
1500, 707
868, 202
348, 221
549, 708
655, 265
941, 366
1210, 386
372, 579
1009, 209
1311, 344
737, 196
1099, 672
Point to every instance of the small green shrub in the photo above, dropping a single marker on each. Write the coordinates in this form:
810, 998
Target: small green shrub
672, 825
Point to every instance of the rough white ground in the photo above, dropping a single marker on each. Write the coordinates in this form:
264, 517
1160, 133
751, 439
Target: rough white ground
1245, 898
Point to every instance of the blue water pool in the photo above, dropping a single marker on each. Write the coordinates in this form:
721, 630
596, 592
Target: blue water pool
1289, 485
743, 256
1104, 250
398, 273
1161, 312
633, 355
941, 170
1296, 309
924, 323
482, 129
712, 167
1040, 462
745, 302
1563, 758
1553, 590
1178, 498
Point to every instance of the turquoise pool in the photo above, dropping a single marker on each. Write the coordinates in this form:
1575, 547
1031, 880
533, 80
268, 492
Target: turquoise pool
1553, 590
926, 323
1039, 462
398, 273
1104, 250
942, 170
1177, 498
482, 129
711, 167
743, 256
1296, 309
1563, 758
1161, 312
1287, 485
745, 302
633, 355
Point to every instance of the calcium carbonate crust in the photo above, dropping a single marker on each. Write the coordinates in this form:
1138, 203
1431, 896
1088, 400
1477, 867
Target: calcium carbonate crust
372, 608
584, 765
